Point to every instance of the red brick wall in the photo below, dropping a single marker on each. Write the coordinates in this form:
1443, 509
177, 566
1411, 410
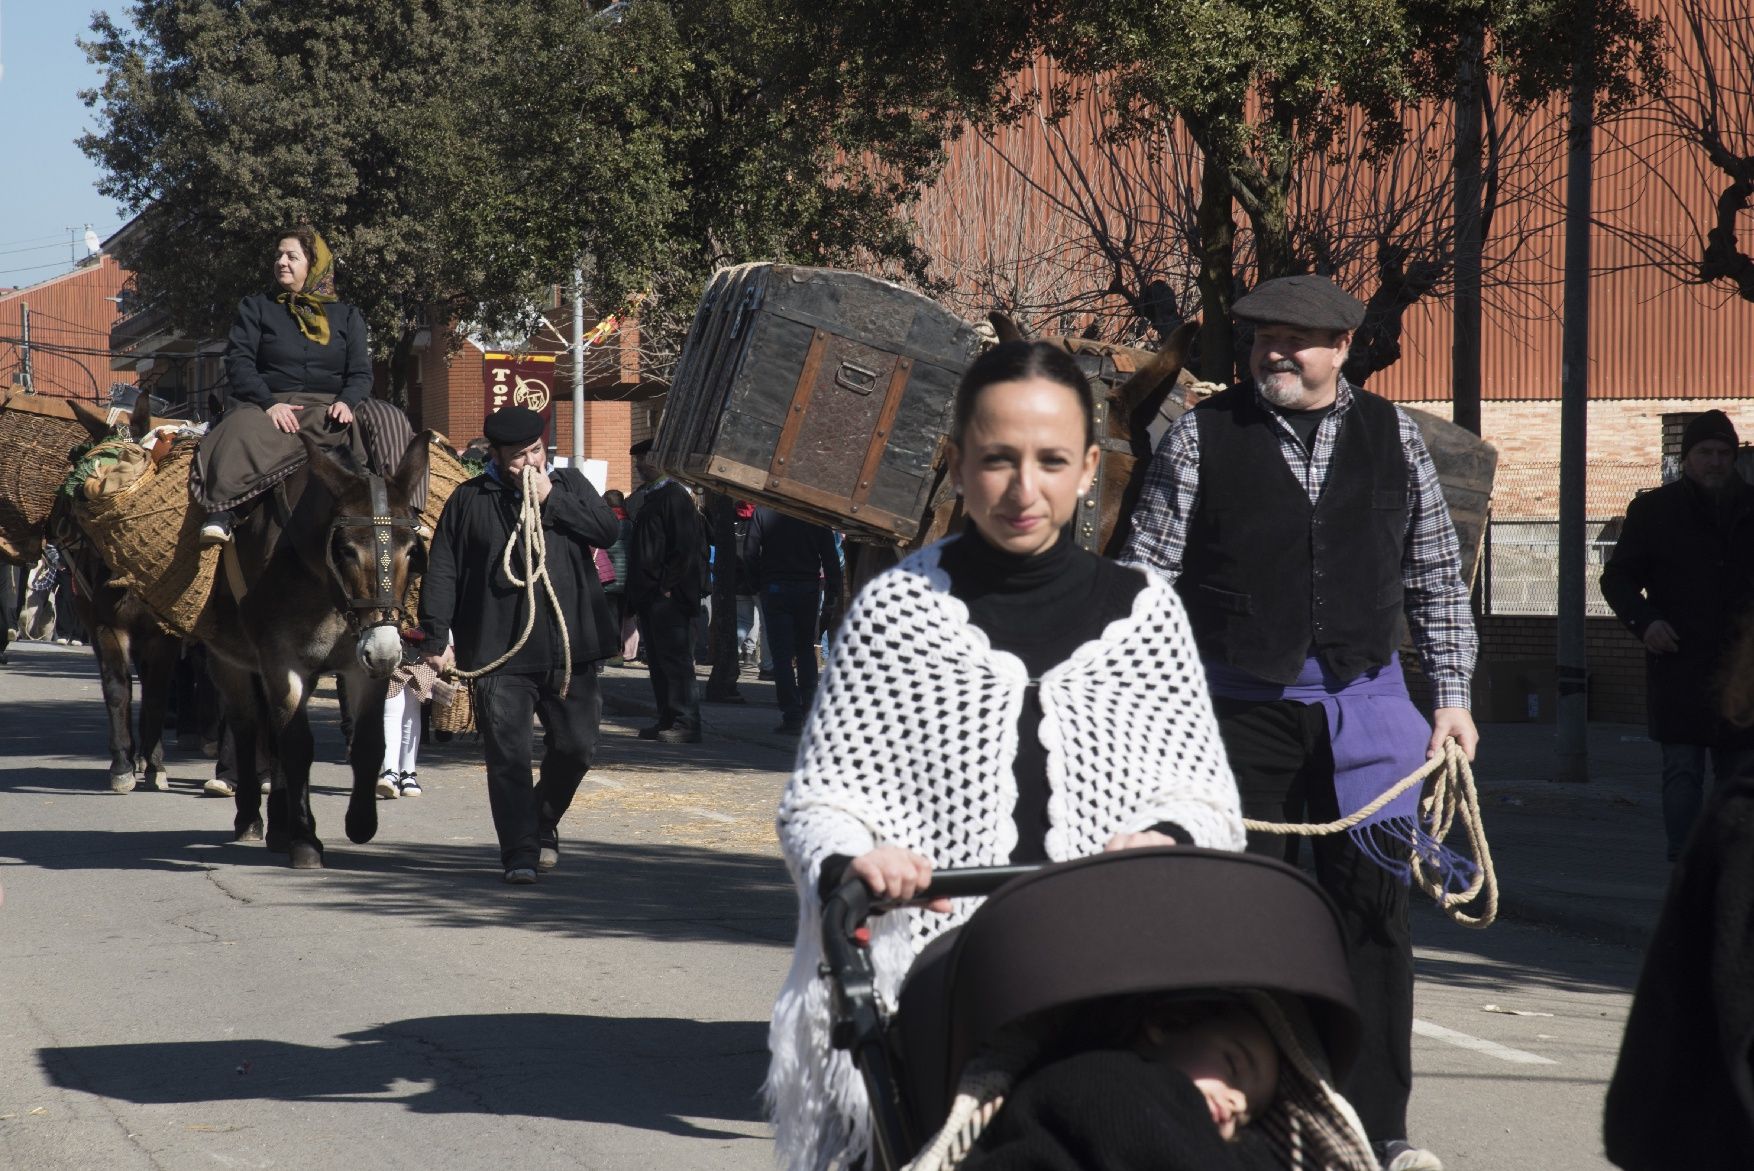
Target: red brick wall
1614, 659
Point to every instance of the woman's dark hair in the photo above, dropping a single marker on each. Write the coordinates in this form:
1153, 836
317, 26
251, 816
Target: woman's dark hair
306, 237
613, 498
1013, 362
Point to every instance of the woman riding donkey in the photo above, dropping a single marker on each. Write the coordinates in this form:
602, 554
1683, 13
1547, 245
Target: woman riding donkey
298, 363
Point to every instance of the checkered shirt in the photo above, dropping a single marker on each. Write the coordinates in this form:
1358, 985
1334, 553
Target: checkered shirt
1438, 613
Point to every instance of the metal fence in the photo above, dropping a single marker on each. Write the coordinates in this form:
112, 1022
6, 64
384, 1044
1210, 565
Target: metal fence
1522, 566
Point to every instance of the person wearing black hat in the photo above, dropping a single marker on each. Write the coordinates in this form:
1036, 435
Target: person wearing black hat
1302, 520
665, 583
468, 600
1681, 577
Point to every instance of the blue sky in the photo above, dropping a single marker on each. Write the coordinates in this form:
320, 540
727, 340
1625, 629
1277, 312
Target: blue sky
46, 184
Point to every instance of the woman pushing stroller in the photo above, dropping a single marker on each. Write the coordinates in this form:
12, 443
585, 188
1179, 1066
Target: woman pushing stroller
1000, 696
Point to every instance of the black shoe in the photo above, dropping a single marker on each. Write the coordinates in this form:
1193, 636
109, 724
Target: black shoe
764, 676
677, 736
791, 725
654, 732
217, 528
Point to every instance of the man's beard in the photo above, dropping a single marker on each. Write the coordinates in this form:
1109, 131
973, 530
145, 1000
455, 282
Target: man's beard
1284, 389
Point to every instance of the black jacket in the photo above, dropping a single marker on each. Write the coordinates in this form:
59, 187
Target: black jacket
1683, 1090
665, 555
266, 355
1684, 559
783, 548
466, 593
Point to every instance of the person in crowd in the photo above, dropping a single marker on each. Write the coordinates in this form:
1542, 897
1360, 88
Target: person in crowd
624, 617
11, 602
665, 583
298, 361
1681, 578
789, 562
411, 687
1301, 518
470, 607
749, 618
1000, 696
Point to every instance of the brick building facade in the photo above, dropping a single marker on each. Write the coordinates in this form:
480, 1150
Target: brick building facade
70, 318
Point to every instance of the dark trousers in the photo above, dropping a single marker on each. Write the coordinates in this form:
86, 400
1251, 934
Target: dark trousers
226, 767
791, 610
1684, 785
1284, 770
527, 817
665, 625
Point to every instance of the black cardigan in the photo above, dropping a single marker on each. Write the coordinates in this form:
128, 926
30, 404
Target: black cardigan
266, 355
466, 593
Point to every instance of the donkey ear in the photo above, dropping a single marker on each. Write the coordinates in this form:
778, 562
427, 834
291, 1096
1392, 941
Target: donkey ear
1004, 327
95, 422
1143, 389
335, 479
140, 422
411, 472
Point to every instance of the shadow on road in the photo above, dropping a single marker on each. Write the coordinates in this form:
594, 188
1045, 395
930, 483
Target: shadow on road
650, 1073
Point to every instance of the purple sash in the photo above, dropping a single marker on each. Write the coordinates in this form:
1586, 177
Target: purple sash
1378, 739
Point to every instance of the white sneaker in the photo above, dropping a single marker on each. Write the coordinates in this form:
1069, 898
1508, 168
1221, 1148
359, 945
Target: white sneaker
409, 784
215, 533
218, 788
1401, 1155
387, 786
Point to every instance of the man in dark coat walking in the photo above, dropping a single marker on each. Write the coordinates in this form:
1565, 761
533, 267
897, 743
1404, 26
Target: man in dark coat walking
467, 598
665, 582
790, 560
1681, 578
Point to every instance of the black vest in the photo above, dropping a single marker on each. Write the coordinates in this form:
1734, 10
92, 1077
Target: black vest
1268, 577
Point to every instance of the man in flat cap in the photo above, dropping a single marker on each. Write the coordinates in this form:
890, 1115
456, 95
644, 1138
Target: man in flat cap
665, 583
1302, 520
1681, 578
472, 609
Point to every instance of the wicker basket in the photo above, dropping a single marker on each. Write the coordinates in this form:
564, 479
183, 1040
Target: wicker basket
149, 534
459, 714
444, 472
36, 434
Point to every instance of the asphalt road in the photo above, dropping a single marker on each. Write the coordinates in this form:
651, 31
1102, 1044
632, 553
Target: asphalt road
177, 1001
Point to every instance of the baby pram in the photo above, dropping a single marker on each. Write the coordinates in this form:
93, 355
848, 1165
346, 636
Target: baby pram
1117, 924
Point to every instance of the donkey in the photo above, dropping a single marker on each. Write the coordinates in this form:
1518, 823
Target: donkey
124, 635
313, 582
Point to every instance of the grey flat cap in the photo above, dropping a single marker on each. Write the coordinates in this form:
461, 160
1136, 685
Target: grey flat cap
1309, 301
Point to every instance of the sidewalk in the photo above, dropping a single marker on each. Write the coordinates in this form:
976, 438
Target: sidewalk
1586, 859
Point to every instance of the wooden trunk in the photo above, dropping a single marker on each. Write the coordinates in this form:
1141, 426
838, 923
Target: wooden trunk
822, 393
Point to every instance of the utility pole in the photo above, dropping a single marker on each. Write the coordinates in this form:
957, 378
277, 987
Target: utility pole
1465, 357
1573, 708
30, 386
578, 365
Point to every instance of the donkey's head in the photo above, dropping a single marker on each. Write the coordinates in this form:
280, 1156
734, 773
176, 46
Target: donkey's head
369, 549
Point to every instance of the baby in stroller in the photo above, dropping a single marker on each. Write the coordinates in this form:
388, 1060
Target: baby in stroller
1177, 1010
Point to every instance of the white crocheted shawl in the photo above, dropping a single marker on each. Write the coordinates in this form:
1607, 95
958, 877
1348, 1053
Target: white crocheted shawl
911, 743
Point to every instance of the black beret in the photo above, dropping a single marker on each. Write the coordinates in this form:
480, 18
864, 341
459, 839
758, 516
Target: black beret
514, 427
1710, 425
640, 448
1309, 301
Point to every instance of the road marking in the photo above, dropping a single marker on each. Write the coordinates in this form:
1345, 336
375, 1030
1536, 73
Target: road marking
608, 784
1480, 1045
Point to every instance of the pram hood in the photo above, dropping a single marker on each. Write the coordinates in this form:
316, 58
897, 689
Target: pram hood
1129, 922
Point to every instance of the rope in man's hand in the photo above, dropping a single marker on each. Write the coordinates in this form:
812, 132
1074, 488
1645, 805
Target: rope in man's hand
1452, 794
535, 563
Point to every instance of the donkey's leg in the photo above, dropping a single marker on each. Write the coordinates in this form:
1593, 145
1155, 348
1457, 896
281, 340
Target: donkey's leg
111, 646
365, 700
287, 691
158, 664
241, 709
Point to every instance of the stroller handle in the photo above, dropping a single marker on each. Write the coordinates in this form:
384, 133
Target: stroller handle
856, 1019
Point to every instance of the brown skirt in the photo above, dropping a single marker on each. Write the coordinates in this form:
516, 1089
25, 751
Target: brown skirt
245, 454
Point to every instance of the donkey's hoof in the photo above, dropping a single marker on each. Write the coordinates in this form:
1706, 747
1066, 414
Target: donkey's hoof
122, 782
249, 833
159, 779
362, 827
306, 856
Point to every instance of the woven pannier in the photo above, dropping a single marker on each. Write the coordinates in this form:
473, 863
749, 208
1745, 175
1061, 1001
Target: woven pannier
444, 471
36, 434
149, 534
459, 714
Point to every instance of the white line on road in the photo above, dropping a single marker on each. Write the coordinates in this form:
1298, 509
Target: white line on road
1480, 1045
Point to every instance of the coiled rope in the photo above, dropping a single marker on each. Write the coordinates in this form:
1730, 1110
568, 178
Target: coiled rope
1453, 794
535, 561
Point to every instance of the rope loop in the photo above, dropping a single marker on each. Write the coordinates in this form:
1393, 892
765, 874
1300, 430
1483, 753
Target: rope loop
1452, 795
528, 533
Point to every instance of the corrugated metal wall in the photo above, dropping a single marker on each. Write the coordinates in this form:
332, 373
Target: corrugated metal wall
70, 319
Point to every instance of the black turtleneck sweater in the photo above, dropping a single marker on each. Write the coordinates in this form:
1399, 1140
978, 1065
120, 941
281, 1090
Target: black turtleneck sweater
1040, 608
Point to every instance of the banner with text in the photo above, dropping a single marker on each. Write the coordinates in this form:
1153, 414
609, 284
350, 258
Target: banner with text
520, 380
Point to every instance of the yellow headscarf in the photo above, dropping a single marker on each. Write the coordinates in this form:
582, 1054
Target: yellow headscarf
306, 305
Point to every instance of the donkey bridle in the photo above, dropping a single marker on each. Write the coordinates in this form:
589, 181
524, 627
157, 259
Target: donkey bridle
384, 608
